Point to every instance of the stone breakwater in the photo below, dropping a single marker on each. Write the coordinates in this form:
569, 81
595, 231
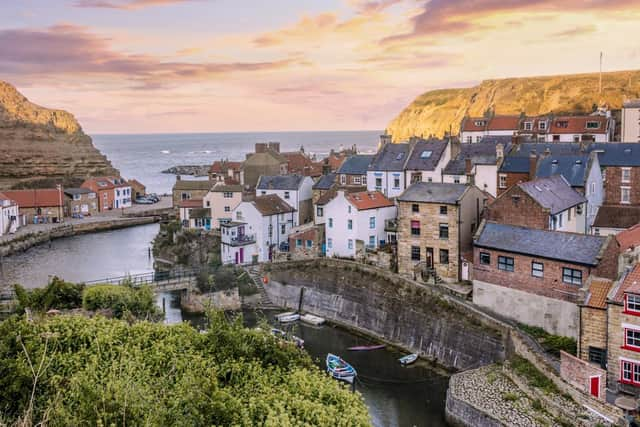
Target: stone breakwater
23, 242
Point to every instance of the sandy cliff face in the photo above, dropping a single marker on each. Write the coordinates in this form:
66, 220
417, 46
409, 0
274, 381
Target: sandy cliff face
437, 111
39, 146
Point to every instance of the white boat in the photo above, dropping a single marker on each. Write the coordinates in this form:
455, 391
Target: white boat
408, 359
289, 318
312, 319
285, 314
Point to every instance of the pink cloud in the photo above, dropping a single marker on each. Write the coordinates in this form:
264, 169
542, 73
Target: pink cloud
126, 4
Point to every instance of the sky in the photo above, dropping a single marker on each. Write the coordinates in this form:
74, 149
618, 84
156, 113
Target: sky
153, 66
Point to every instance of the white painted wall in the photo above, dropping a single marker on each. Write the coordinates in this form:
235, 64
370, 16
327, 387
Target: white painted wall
218, 203
295, 197
387, 187
570, 221
630, 125
476, 136
568, 137
434, 175
594, 192
8, 210
121, 197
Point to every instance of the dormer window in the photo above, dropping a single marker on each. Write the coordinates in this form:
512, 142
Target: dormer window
593, 125
426, 154
542, 125
632, 304
480, 123
562, 124
528, 125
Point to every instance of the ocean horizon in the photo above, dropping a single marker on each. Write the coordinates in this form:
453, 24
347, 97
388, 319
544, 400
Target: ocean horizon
145, 156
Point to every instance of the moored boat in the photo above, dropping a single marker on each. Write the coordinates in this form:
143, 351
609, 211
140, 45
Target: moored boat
366, 347
312, 319
299, 342
278, 333
289, 318
339, 369
408, 359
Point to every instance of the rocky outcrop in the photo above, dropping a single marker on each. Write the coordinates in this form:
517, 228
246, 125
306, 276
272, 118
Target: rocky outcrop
193, 170
42, 147
439, 111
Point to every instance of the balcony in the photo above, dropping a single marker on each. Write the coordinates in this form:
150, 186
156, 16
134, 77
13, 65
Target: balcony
243, 240
391, 225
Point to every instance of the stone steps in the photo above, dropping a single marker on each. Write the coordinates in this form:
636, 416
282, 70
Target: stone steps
265, 302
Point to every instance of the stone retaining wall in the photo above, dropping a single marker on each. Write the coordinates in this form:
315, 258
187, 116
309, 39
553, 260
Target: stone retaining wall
458, 413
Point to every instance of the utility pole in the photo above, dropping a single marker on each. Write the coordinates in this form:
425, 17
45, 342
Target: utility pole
600, 84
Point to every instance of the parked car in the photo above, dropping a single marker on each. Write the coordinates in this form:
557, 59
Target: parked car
153, 197
144, 201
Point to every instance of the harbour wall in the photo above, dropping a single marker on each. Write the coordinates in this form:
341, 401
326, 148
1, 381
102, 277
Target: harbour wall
22, 242
396, 310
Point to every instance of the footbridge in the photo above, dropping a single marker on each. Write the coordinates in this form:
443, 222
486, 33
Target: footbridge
159, 281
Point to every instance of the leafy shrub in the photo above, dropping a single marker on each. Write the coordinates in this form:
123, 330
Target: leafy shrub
551, 343
121, 299
534, 377
108, 372
58, 294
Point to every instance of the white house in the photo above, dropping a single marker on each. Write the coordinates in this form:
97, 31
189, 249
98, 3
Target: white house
121, 194
474, 129
475, 164
9, 217
426, 161
631, 121
386, 170
355, 219
595, 128
258, 228
295, 190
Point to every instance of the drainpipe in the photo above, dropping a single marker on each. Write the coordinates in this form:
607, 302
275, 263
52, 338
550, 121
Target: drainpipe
458, 254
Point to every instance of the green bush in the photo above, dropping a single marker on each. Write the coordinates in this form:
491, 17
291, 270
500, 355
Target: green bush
551, 343
100, 372
121, 300
58, 295
534, 377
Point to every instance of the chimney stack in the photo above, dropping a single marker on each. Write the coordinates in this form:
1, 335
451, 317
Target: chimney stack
468, 166
499, 151
384, 140
455, 147
533, 165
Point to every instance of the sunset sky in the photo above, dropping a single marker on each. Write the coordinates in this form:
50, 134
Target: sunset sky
131, 66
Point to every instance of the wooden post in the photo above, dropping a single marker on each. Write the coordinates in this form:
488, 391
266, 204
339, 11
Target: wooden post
300, 300
164, 311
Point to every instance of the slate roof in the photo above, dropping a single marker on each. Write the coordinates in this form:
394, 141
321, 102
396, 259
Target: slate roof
325, 182
569, 247
279, 182
418, 159
76, 191
433, 192
597, 295
553, 148
221, 188
192, 184
365, 200
391, 157
631, 103
515, 164
495, 139
356, 164
617, 153
616, 216
573, 168
271, 204
553, 193
482, 153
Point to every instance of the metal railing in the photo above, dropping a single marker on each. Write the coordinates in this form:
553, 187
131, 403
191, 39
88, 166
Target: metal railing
245, 239
150, 278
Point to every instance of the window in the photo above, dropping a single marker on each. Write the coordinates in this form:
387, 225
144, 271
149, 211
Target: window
349, 208
480, 123
356, 180
270, 231
599, 356
632, 339
415, 253
349, 224
625, 195
309, 243
286, 195
429, 179
396, 182
372, 241
415, 207
569, 214
485, 258
372, 222
626, 175
478, 138
562, 124
469, 139
426, 154
528, 125
604, 175
537, 269
415, 228
593, 125
444, 231
456, 180
632, 304
444, 256
184, 196
343, 179
416, 177
76, 197
319, 211
571, 276
593, 187
208, 203
350, 243
330, 243
502, 178
505, 263
298, 243
443, 210
378, 183
227, 194
399, 156
283, 229
263, 193
542, 125
364, 180
576, 138
227, 208
629, 372
330, 222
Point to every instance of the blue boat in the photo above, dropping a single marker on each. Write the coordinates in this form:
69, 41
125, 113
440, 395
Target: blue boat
339, 369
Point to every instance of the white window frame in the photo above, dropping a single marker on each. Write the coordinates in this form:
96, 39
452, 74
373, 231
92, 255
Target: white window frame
625, 179
356, 180
625, 190
502, 180
632, 307
343, 179
537, 269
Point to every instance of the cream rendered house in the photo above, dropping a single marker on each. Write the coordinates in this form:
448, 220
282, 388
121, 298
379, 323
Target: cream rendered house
222, 199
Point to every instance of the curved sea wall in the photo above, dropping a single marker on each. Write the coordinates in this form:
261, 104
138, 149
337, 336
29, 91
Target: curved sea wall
396, 310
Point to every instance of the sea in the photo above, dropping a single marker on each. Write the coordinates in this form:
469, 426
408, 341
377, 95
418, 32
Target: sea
145, 156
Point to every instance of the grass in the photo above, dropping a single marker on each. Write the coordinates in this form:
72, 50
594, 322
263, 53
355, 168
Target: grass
510, 397
534, 377
551, 343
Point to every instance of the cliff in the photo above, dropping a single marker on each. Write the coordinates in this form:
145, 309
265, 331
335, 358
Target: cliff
42, 147
437, 111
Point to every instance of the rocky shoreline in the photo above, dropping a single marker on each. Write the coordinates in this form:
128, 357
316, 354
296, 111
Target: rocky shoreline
193, 170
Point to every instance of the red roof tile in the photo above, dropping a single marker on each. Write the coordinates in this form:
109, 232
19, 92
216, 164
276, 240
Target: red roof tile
598, 291
368, 200
629, 238
190, 203
39, 198
222, 166
578, 124
631, 283
491, 123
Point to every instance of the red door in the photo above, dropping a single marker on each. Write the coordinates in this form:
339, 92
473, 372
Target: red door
594, 387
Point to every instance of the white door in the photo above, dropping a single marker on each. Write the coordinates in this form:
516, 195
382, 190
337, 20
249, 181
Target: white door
465, 270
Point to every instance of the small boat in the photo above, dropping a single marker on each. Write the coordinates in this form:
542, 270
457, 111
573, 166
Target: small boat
285, 314
339, 369
299, 342
408, 359
278, 333
366, 347
289, 318
312, 319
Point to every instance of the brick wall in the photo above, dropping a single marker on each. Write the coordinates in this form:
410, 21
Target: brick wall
512, 179
613, 182
608, 265
578, 373
516, 207
593, 330
430, 219
315, 234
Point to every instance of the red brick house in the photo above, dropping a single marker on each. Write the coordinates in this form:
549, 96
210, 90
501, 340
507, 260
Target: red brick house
538, 277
